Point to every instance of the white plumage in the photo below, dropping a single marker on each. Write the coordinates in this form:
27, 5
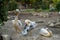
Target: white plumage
45, 32
29, 25
25, 32
17, 24
34, 24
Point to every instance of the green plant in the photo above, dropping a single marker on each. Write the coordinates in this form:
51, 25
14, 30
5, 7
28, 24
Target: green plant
4, 7
3, 11
58, 6
0, 21
12, 5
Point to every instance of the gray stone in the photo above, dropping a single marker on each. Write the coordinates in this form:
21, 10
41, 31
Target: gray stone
57, 24
6, 37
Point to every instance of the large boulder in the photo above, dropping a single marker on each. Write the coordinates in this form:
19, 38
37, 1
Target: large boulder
57, 24
51, 23
6, 37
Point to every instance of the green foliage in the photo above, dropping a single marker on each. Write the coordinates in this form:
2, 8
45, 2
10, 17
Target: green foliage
12, 5
0, 21
3, 11
4, 7
36, 4
41, 4
44, 6
58, 6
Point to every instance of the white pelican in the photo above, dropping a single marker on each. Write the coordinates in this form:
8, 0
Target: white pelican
46, 32
29, 26
17, 23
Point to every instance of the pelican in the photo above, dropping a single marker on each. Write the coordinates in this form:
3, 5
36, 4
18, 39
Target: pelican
45, 32
17, 23
29, 25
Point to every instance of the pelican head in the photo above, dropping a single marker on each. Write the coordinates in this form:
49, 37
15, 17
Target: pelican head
17, 11
27, 21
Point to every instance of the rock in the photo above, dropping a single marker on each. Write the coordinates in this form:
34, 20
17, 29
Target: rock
17, 10
51, 24
58, 20
59, 13
6, 37
1, 38
36, 14
44, 15
10, 17
40, 21
41, 14
57, 24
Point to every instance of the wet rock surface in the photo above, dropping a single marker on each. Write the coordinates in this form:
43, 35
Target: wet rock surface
33, 34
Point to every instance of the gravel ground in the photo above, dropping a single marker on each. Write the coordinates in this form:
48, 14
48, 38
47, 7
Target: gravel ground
34, 34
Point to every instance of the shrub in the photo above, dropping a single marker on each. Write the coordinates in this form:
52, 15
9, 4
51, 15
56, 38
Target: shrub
58, 6
12, 5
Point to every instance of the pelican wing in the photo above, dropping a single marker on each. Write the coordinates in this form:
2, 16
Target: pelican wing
34, 24
20, 23
45, 32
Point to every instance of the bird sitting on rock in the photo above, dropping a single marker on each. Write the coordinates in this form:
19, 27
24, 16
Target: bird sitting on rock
29, 25
45, 32
17, 23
